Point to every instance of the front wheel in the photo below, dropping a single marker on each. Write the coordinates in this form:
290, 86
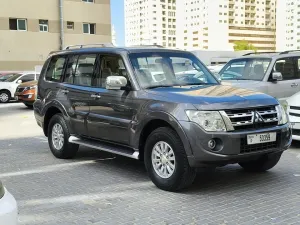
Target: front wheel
58, 138
262, 164
4, 96
166, 161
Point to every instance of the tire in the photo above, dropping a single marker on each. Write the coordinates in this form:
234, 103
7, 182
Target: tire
183, 175
29, 106
262, 164
63, 149
4, 96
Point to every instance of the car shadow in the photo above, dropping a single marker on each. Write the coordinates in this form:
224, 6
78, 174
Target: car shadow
295, 144
223, 179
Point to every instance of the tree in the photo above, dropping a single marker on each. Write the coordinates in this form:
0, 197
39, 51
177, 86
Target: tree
243, 45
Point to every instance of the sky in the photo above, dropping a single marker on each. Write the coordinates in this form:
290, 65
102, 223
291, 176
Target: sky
117, 19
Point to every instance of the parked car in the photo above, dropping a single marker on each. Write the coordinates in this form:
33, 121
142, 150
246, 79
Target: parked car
5, 76
293, 108
8, 207
172, 124
26, 93
276, 74
9, 86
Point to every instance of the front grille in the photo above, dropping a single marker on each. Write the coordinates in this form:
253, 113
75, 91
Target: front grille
296, 132
244, 119
295, 107
294, 114
245, 148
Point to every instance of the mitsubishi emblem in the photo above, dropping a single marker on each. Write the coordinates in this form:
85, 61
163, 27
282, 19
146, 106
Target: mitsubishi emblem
258, 118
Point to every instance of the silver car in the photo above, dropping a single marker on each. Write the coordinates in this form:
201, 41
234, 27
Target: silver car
276, 74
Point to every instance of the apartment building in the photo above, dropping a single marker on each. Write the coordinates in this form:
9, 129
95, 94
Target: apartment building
30, 29
288, 25
150, 22
217, 24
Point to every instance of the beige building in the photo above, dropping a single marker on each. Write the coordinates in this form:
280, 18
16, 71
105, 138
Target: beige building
30, 29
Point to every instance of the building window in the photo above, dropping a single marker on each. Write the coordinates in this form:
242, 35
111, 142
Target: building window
70, 25
91, 1
18, 24
43, 25
89, 28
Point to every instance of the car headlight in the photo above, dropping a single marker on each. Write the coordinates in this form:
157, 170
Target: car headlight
32, 87
208, 120
282, 115
2, 191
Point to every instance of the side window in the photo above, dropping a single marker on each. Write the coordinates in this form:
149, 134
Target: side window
55, 69
286, 67
27, 78
298, 69
84, 70
111, 66
70, 69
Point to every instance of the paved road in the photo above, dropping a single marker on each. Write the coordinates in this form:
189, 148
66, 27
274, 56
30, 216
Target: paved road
100, 188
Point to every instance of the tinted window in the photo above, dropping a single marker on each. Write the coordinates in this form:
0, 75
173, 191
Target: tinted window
27, 78
13, 78
287, 68
70, 69
55, 69
110, 66
84, 70
5, 77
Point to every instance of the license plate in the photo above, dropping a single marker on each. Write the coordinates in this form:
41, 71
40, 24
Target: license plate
261, 138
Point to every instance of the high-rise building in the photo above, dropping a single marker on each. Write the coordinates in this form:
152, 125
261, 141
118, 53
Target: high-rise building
288, 25
217, 24
150, 22
30, 29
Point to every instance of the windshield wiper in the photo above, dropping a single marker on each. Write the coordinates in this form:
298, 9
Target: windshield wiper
160, 86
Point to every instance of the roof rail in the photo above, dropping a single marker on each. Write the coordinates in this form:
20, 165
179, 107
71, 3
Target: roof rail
86, 45
287, 52
257, 53
158, 46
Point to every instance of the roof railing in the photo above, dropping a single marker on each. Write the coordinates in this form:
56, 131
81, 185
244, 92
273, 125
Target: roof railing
257, 53
289, 51
158, 46
103, 45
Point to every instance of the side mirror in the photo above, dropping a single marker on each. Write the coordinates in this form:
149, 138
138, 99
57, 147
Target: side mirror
19, 81
277, 76
115, 82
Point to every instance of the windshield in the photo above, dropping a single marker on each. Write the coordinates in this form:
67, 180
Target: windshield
167, 69
245, 69
10, 77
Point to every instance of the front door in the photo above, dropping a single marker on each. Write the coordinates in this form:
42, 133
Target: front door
290, 83
77, 88
111, 111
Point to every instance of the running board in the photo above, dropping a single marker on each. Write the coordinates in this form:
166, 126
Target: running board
105, 147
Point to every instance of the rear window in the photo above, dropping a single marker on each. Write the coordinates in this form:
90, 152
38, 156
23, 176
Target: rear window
56, 68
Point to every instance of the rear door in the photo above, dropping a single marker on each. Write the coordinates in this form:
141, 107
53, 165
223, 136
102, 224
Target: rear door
111, 110
289, 85
77, 88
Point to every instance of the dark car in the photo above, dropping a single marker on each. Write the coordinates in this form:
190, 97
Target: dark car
133, 102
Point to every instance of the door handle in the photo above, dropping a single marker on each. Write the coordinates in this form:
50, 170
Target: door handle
65, 91
95, 96
294, 85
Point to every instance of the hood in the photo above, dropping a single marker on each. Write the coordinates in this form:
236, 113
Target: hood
294, 100
29, 84
216, 97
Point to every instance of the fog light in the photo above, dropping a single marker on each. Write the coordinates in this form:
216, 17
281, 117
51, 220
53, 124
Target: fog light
212, 144
29, 96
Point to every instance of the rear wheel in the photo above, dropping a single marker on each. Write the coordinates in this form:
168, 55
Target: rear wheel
262, 164
4, 96
58, 138
166, 161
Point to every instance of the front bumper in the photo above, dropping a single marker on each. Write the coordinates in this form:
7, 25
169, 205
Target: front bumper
27, 97
232, 146
8, 209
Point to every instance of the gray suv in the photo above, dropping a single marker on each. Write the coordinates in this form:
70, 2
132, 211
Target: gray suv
157, 105
276, 74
